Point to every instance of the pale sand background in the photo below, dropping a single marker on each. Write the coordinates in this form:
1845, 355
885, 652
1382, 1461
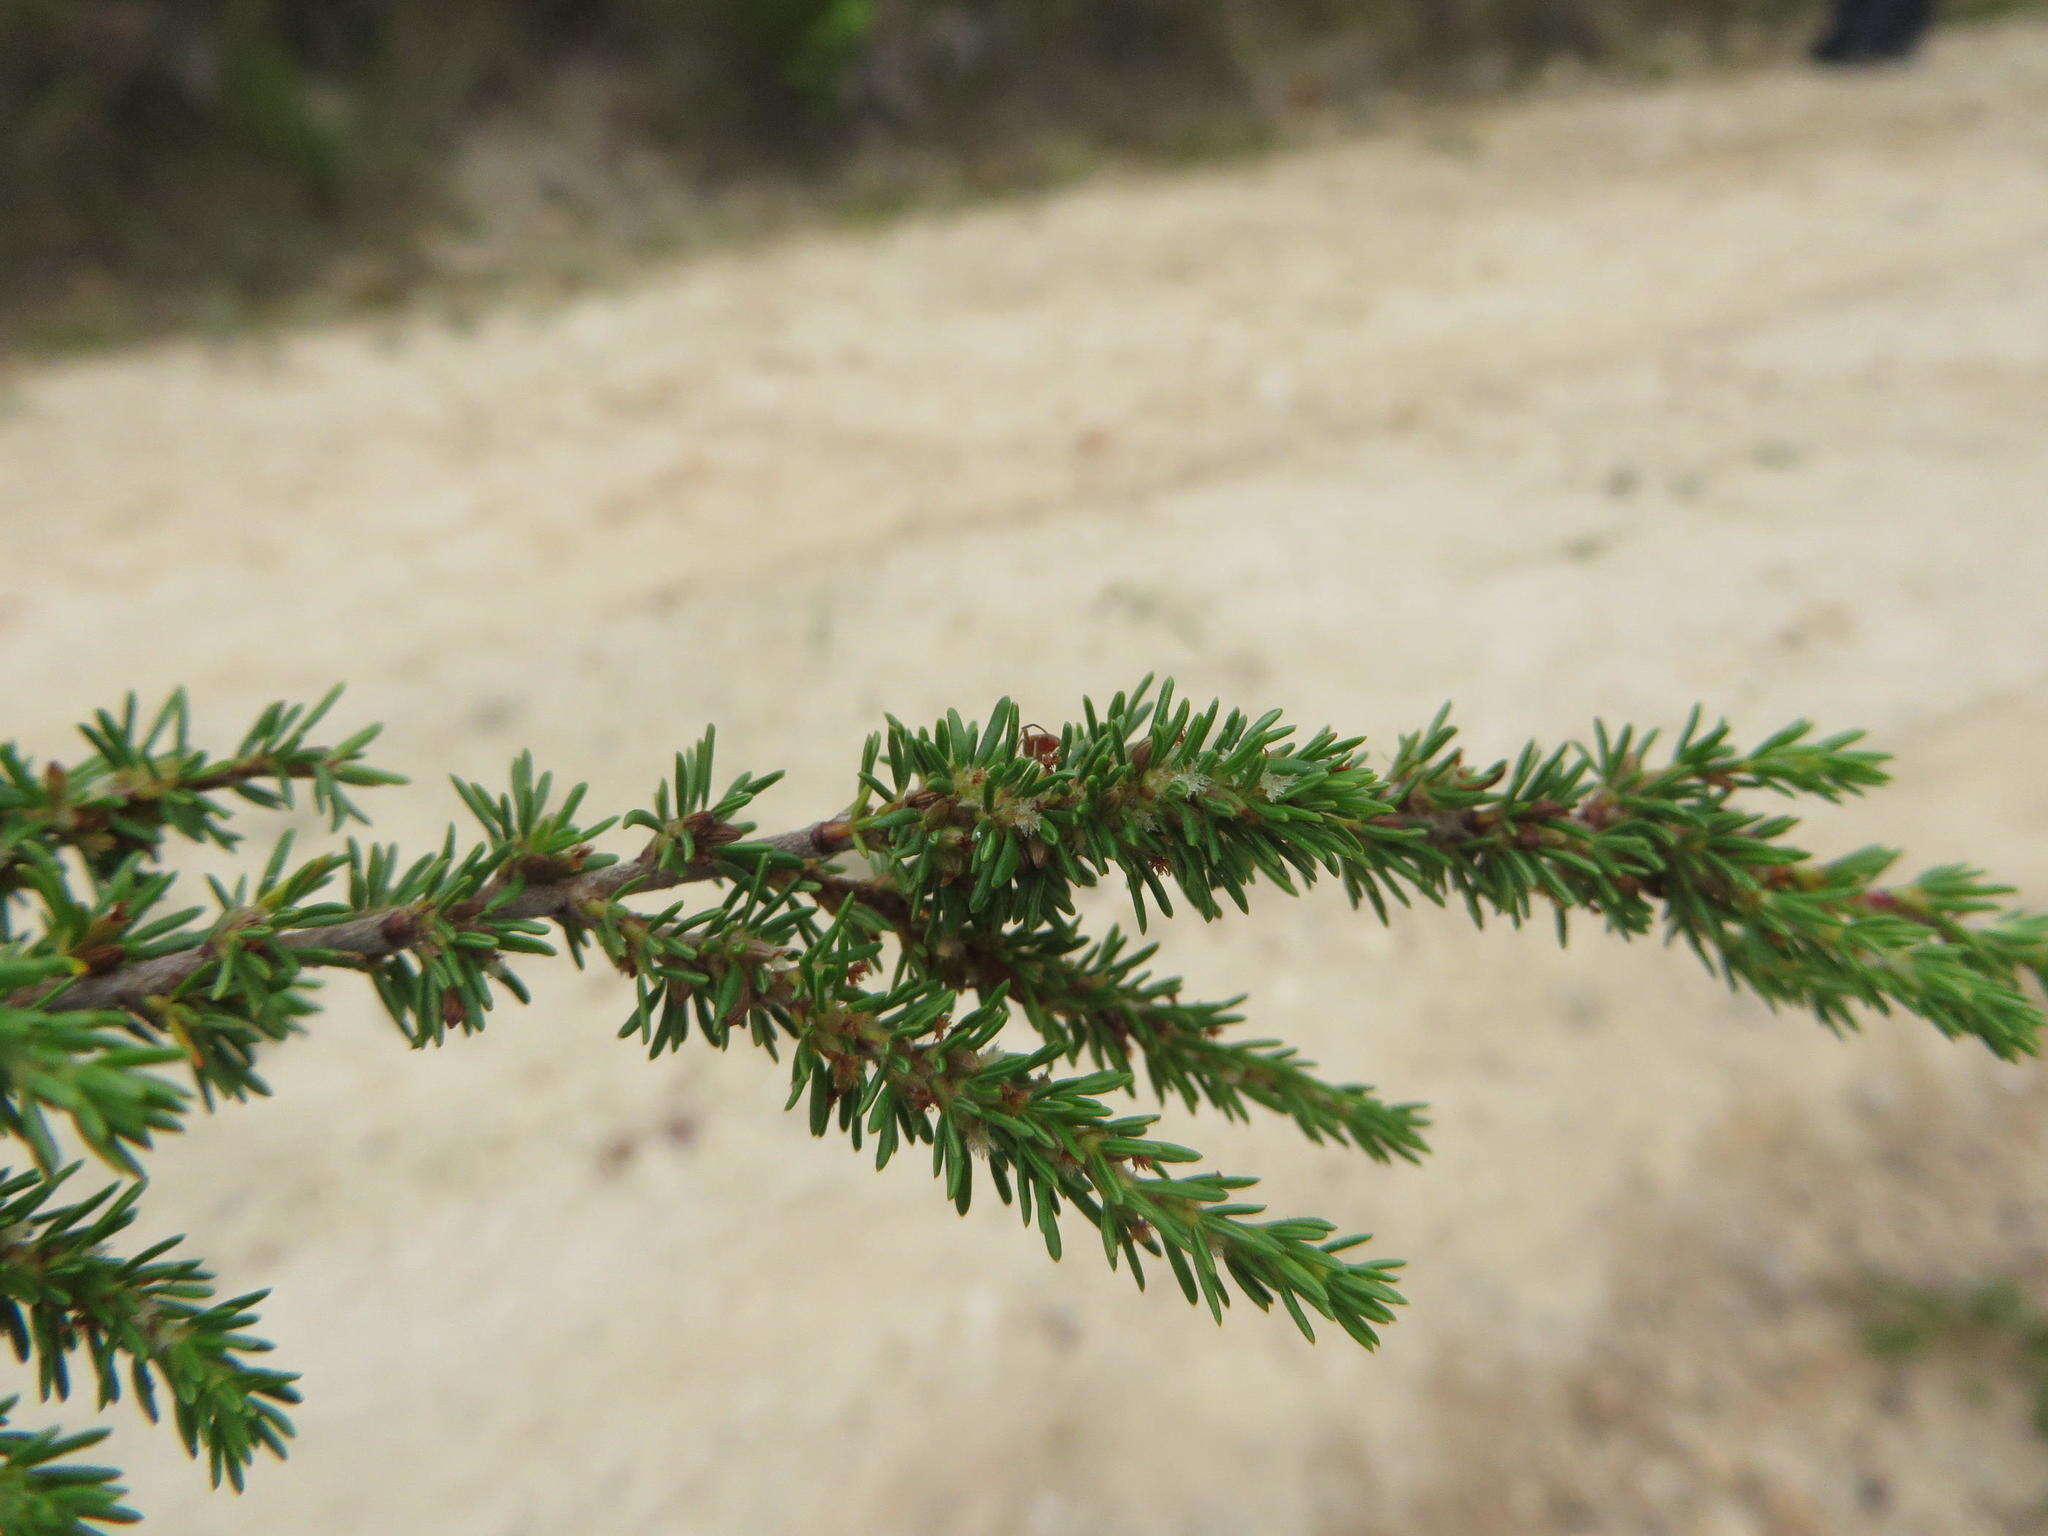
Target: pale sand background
1732, 390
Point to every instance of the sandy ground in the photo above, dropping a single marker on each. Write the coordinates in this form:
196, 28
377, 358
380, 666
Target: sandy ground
1731, 390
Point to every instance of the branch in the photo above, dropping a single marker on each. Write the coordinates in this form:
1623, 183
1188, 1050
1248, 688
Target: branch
896, 1066
1761, 912
1097, 1001
996, 827
387, 931
143, 780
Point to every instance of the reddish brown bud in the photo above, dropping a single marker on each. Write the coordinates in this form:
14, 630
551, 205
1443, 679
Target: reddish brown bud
1599, 811
401, 929
98, 959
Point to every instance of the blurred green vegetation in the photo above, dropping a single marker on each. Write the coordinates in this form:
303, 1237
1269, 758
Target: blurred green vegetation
229, 146
1991, 1319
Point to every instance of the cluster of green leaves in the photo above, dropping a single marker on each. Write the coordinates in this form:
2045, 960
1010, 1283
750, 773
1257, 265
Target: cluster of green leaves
1046, 1140
1094, 998
84, 1065
989, 833
895, 1065
984, 834
82, 896
65, 1294
143, 780
45, 1493
1604, 830
886, 983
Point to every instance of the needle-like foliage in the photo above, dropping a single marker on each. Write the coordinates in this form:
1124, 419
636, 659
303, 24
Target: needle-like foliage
878, 955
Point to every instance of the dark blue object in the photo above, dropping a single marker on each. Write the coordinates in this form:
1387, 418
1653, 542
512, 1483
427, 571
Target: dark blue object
1873, 31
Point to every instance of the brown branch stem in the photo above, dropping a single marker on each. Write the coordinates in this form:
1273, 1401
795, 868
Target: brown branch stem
375, 935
